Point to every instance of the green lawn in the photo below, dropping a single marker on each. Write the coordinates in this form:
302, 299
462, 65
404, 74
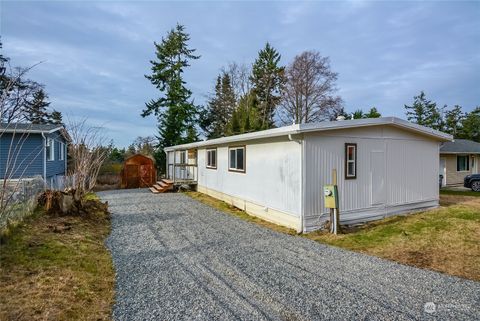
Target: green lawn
445, 191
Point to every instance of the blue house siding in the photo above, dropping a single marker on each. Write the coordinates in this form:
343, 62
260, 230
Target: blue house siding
21, 158
22, 155
56, 166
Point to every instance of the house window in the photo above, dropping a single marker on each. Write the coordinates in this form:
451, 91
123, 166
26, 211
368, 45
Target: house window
183, 157
212, 158
350, 161
236, 159
50, 149
62, 151
462, 163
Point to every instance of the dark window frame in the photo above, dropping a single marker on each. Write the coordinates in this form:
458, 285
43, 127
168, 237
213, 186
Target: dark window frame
347, 145
244, 170
467, 157
206, 158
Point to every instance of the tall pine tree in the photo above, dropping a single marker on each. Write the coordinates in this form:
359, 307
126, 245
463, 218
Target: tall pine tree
425, 112
36, 110
220, 108
453, 120
175, 110
268, 79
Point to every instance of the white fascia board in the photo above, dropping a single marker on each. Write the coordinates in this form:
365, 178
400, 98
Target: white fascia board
319, 127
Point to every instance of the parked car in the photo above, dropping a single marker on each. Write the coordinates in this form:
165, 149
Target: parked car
473, 182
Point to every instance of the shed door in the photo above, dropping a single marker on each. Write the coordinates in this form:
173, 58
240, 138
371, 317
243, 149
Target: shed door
133, 179
145, 175
377, 172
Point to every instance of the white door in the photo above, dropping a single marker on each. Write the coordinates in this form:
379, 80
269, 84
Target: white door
475, 167
377, 172
443, 171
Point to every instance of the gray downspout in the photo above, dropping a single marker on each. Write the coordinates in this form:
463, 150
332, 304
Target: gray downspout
44, 161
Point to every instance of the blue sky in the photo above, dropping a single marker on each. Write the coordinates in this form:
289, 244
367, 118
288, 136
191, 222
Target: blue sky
95, 54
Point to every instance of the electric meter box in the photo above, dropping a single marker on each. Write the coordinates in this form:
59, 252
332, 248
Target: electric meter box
330, 194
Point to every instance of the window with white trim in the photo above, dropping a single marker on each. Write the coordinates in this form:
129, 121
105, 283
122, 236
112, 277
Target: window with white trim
350, 161
50, 149
62, 151
462, 163
211, 158
236, 159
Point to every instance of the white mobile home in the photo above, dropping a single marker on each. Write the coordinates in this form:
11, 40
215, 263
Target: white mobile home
384, 166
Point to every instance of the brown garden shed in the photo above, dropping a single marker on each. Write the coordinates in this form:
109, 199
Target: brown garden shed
138, 171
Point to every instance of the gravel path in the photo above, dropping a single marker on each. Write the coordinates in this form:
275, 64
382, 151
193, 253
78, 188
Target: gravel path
178, 259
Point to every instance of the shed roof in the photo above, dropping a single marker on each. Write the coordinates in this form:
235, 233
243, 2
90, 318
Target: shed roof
460, 146
319, 127
33, 128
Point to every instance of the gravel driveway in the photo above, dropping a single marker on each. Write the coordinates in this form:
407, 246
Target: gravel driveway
178, 259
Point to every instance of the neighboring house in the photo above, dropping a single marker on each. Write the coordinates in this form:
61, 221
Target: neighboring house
384, 167
458, 159
28, 150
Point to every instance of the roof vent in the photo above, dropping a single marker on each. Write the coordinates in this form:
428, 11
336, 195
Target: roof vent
340, 118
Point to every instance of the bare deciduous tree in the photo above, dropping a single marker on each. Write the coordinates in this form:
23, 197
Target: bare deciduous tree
15, 92
87, 152
309, 93
240, 78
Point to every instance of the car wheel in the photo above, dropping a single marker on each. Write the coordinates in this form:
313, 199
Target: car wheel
476, 186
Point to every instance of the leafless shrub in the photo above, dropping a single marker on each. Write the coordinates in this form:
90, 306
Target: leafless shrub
87, 153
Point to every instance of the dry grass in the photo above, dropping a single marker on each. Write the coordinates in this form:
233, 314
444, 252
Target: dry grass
57, 268
446, 239
213, 202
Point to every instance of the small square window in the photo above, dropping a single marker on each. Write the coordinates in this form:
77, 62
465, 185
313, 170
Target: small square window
462, 163
350, 161
237, 159
212, 158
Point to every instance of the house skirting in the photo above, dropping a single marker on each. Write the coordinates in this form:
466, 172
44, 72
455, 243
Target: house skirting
265, 213
363, 215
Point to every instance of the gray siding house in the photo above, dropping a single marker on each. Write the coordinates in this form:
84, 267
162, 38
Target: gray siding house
28, 150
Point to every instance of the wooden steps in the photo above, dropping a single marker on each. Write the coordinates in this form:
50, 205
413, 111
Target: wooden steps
162, 186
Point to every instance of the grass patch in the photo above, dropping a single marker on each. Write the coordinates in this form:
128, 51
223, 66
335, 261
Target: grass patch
228, 208
57, 268
459, 193
446, 239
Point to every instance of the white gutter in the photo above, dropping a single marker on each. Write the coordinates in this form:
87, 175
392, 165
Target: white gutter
302, 173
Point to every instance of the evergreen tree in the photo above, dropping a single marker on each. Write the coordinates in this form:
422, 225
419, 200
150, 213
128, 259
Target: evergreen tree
268, 79
36, 110
453, 120
220, 108
358, 114
55, 118
373, 113
471, 125
425, 112
175, 110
